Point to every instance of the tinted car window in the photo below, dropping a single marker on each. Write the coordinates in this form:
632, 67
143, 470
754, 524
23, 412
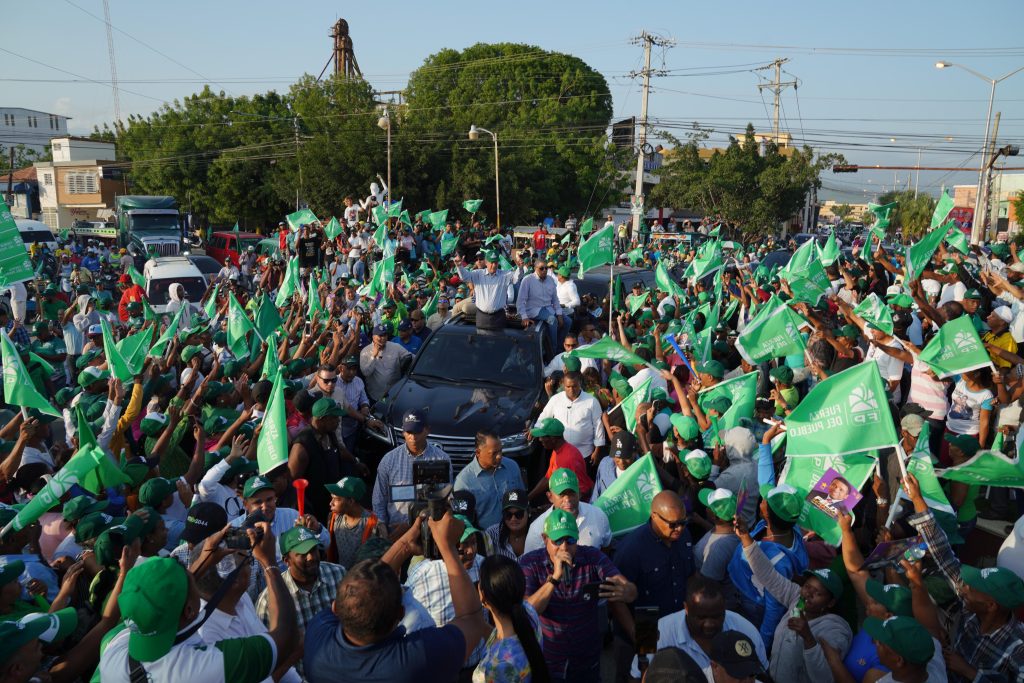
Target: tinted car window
28, 236
478, 358
195, 288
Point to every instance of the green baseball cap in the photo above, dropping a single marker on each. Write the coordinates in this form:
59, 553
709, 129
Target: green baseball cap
79, 506
299, 540
155, 491
153, 423
469, 530
848, 331
46, 627
11, 571
698, 463
783, 374
620, 384
87, 358
571, 363
560, 525
999, 583
92, 525
784, 500
326, 407
254, 485
720, 501
966, 443
894, 597
215, 424
562, 480
549, 426
830, 579
348, 487
711, 367
491, 256
92, 374
190, 352
685, 425
904, 301
719, 404
63, 396
904, 635
151, 601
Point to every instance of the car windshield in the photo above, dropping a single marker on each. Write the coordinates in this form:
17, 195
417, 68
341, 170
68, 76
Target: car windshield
499, 359
160, 221
28, 236
195, 288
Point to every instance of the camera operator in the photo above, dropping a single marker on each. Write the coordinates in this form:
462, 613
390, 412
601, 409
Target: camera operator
359, 638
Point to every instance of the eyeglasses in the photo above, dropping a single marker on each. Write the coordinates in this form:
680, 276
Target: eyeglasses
514, 514
678, 524
567, 540
328, 380
542, 267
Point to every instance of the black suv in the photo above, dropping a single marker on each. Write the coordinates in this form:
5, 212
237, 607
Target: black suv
468, 379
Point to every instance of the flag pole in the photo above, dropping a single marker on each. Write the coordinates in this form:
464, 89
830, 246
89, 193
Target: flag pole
902, 458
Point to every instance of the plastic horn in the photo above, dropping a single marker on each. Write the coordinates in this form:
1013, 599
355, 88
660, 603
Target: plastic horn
300, 494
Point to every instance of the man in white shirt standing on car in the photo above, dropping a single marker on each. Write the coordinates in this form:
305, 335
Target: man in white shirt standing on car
580, 413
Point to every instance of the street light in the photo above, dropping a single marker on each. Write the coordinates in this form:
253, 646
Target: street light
979, 219
384, 123
474, 134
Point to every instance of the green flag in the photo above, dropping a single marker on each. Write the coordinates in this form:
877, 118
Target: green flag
828, 254
800, 260
663, 280
608, 348
448, 243
316, 310
942, 209
423, 216
301, 217
272, 443
919, 463
631, 403
636, 256
597, 250
987, 468
472, 205
635, 303
955, 349
106, 474
405, 218
430, 308
267, 318
118, 365
715, 231
15, 265
86, 439
876, 313
846, 413
919, 255
438, 219
380, 216
333, 228
708, 259
134, 349
239, 326
812, 285
290, 286
803, 473
587, 226
83, 462
164, 339
383, 273
395, 210
882, 213
136, 276
958, 240
774, 332
271, 363
627, 501
741, 392
210, 308
148, 313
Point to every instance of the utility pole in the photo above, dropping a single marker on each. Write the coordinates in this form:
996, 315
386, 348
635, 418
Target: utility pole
986, 188
637, 203
776, 87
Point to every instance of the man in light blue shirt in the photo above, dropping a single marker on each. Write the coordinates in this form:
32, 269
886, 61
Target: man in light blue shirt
490, 289
538, 301
488, 477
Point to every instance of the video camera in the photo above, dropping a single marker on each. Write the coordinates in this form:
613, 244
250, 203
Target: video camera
236, 538
432, 486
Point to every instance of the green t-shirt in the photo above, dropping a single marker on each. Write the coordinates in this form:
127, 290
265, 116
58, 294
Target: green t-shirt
53, 310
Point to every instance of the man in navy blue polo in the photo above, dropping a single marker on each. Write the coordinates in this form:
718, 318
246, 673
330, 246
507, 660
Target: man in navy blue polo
658, 558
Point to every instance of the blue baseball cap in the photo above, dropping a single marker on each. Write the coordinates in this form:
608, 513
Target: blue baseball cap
415, 421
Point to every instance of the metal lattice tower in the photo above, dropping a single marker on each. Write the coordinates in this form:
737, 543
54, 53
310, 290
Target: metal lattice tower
113, 63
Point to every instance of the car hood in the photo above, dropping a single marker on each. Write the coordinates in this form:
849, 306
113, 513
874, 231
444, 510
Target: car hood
460, 410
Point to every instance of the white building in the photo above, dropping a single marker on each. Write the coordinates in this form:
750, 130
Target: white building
30, 128
80, 183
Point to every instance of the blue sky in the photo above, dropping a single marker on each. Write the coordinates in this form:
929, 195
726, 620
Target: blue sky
865, 70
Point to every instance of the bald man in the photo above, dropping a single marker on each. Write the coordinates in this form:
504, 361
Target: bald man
664, 549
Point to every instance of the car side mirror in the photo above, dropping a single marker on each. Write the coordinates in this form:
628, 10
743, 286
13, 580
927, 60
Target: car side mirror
405, 363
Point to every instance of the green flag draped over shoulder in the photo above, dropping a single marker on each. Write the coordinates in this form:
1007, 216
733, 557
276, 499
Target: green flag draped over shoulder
587, 226
987, 468
597, 250
876, 313
608, 348
627, 502
119, 367
741, 392
942, 209
301, 217
663, 280
955, 349
803, 473
919, 255
828, 254
239, 326
333, 228
641, 394
774, 332
472, 205
846, 413
75, 471
164, 339
272, 443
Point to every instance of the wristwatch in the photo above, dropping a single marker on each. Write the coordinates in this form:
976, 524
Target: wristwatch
553, 581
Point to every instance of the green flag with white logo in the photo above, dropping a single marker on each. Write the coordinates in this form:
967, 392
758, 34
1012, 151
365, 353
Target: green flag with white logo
272, 443
290, 286
598, 250
210, 307
919, 463
799, 261
448, 243
663, 280
803, 473
15, 265
239, 326
627, 502
395, 210
587, 226
846, 413
301, 217
472, 205
956, 239
271, 363
774, 332
707, 260
316, 310
988, 468
164, 339
383, 273
136, 276
875, 313
955, 349
134, 349
942, 209
380, 216
811, 284
18, 387
268, 318
119, 367
741, 392
635, 303
438, 219
642, 394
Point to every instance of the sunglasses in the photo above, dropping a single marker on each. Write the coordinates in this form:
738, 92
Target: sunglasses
567, 540
328, 380
672, 524
514, 514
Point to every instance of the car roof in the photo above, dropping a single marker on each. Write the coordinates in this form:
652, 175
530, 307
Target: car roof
227, 233
29, 224
173, 266
203, 261
462, 324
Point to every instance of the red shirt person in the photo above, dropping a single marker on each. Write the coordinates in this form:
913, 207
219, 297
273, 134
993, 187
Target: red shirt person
129, 292
563, 455
540, 240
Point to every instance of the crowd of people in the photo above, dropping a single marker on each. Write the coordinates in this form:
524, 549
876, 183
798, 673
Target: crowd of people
148, 533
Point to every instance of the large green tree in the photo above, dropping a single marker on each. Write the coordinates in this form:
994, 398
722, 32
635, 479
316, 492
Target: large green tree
754, 188
550, 112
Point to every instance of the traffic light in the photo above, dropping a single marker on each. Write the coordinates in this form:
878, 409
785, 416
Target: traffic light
844, 169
